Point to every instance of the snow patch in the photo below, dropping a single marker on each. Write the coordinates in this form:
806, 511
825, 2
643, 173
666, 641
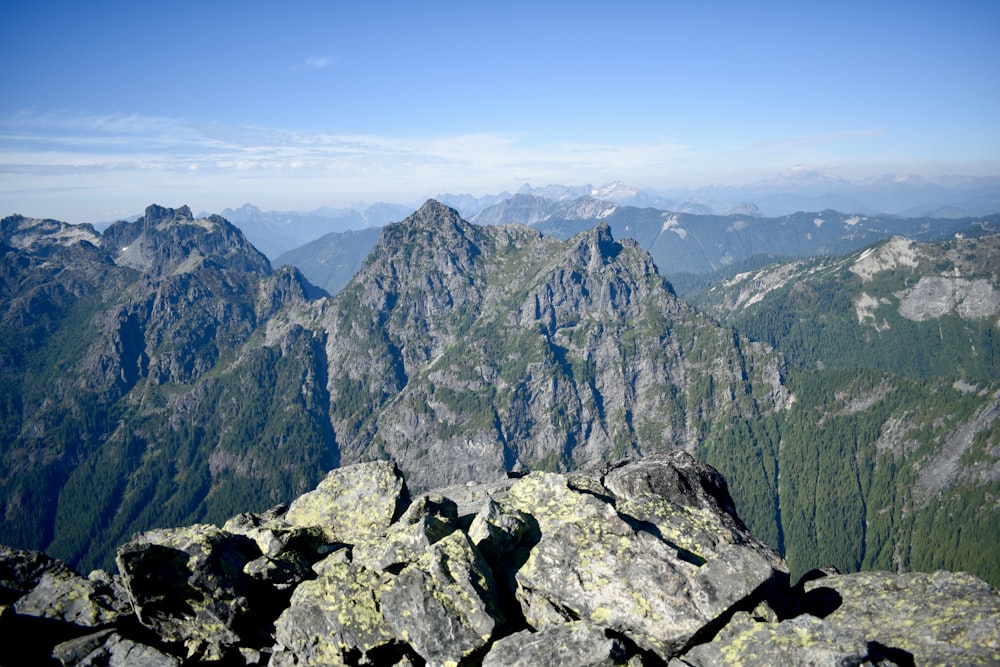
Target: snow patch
818, 222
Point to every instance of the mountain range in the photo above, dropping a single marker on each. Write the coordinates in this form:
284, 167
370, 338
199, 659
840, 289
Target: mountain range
276, 232
796, 190
163, 373
892, 355
690, 249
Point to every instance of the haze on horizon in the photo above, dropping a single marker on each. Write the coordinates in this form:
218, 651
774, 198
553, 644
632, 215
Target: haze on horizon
108, 107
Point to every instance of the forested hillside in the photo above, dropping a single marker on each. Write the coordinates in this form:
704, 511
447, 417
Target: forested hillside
890, 456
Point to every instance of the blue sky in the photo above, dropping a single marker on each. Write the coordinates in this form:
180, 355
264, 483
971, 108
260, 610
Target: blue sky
109, 106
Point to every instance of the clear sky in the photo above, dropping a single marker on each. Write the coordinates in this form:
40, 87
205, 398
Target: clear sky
109, 106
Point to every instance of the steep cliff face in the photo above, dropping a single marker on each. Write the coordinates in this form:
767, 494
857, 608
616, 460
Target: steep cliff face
493, 348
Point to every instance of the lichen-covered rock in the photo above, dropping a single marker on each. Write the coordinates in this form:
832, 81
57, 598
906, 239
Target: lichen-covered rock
689, 504
354, 504
624, 572
471, 497
577, 643
940, 618
334, 620
444, 604
636, 564
274, 535
287, 552
21, 569
63, 595
188, 585
283, 572
428, 519
677, 478
497, 531
108, 648
803, 640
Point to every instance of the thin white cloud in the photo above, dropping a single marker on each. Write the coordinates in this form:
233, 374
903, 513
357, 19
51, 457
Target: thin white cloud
129, 142
318, 62
129, 161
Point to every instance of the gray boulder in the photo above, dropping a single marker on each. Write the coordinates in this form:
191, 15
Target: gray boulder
939, 618
63, 595
108, 648
334, 619
444, 604
275, 536
188, 585
631, 572
577, 643
803, 640
355, 504
21, 569
428, 519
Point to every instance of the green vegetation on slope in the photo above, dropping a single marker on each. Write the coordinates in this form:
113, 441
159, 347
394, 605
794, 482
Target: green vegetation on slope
888, 456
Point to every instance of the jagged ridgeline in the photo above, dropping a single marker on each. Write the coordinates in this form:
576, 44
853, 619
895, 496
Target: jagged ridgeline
162, 373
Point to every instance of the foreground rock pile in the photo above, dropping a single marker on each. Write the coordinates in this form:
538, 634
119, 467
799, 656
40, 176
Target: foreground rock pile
641, 564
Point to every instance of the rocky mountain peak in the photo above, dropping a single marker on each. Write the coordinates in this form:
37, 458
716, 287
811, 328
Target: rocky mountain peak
595, 247
168, 240
747, 208
432, 242
156, 214
521, 209
434, 214
475, 333
35, 234
584, 208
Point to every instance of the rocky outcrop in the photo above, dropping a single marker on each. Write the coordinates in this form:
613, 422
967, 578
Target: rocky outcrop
641, 563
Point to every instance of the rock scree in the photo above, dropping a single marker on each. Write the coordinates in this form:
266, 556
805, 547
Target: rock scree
638, 563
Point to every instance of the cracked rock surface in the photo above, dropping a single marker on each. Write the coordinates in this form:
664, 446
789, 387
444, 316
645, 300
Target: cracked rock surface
638, 563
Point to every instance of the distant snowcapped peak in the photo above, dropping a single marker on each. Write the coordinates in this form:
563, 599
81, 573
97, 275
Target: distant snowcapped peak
804, 173
614, 190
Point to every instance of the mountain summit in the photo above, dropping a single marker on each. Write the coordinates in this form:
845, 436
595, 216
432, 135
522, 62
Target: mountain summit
496, 348
165, 239
171, 376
